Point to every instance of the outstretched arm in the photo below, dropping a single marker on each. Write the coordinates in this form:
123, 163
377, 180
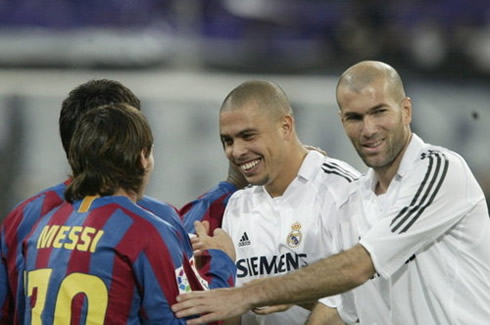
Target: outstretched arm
332, 275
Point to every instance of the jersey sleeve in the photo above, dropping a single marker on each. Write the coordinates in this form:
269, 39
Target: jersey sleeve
436, 194
15, 228
218, 268
163, 272
210, 206
215, 270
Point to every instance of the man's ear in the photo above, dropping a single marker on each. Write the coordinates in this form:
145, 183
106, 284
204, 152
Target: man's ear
144, 158
341, 116
407, 110
287, 125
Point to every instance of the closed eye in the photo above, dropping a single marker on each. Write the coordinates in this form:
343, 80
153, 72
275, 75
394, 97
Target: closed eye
379, 111
226, 141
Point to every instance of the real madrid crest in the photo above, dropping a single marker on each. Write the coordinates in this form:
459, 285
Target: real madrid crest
295, 236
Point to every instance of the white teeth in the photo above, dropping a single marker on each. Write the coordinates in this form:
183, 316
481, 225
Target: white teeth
249, 165
373, 145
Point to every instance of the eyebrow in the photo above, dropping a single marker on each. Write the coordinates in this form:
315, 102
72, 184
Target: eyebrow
376, 107
239, 134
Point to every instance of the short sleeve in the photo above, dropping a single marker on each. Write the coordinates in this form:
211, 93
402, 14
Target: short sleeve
433, 197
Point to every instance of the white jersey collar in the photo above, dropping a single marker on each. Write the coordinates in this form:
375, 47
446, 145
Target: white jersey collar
307, 170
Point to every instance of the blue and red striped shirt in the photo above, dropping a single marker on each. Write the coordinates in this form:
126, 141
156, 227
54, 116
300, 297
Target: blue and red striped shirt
209, 206
20, 221
15, 227
106, 260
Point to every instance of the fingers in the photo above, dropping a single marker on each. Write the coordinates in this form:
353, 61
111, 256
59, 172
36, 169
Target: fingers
201, 228
206, 225
193, 304
219, 232
208, 318
270, 309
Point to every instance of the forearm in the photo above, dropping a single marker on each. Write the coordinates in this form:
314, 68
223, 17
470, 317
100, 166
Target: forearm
330, 276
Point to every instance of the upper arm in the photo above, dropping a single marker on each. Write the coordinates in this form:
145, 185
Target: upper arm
360, 267
159, 269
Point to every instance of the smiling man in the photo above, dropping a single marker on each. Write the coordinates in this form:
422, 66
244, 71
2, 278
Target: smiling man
279, 223
422, 256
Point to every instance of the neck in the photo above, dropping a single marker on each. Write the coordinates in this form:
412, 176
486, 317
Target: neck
130, 195
289, 172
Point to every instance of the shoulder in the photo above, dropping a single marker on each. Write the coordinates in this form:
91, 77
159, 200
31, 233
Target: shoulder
437, 160
56, 191
161, 210
244, 194
148, 221
338, 178
222, 188
338, 170
42, 202
155, 206
242, 201
218, 194
438, 170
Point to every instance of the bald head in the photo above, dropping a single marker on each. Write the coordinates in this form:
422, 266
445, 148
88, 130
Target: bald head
364, 73
264, 95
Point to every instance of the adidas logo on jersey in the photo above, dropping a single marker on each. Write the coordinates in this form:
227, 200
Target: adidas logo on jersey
244, 241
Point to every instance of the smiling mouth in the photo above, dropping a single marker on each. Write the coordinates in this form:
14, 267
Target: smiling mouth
372, 145
249, 165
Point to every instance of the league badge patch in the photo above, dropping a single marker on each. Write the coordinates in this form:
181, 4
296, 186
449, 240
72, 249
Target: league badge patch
182, 280
295, 236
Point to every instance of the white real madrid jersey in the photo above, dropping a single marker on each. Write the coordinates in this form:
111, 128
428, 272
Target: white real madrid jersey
278, 235
429, 239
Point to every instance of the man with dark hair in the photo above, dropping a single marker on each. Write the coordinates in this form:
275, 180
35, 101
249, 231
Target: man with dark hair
91, 94
415, 247
278, 224
16, 226
99, 257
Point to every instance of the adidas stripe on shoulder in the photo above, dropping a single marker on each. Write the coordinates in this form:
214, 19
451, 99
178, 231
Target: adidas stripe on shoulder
332, 167
429, 187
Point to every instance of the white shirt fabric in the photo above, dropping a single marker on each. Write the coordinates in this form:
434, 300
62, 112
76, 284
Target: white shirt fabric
429, 240
278, 235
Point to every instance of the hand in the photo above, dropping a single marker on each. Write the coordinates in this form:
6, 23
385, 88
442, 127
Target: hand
271, 309
320, 150
324, 315
213, 305
220, 240
235, 176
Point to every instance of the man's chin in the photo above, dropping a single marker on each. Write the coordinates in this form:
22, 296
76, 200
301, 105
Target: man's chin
254, 180
372, 162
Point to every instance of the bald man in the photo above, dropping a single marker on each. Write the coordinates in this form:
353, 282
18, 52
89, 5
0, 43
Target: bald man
424, 229
279, 223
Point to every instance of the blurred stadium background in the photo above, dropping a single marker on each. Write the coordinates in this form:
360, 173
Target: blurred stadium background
182, 57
